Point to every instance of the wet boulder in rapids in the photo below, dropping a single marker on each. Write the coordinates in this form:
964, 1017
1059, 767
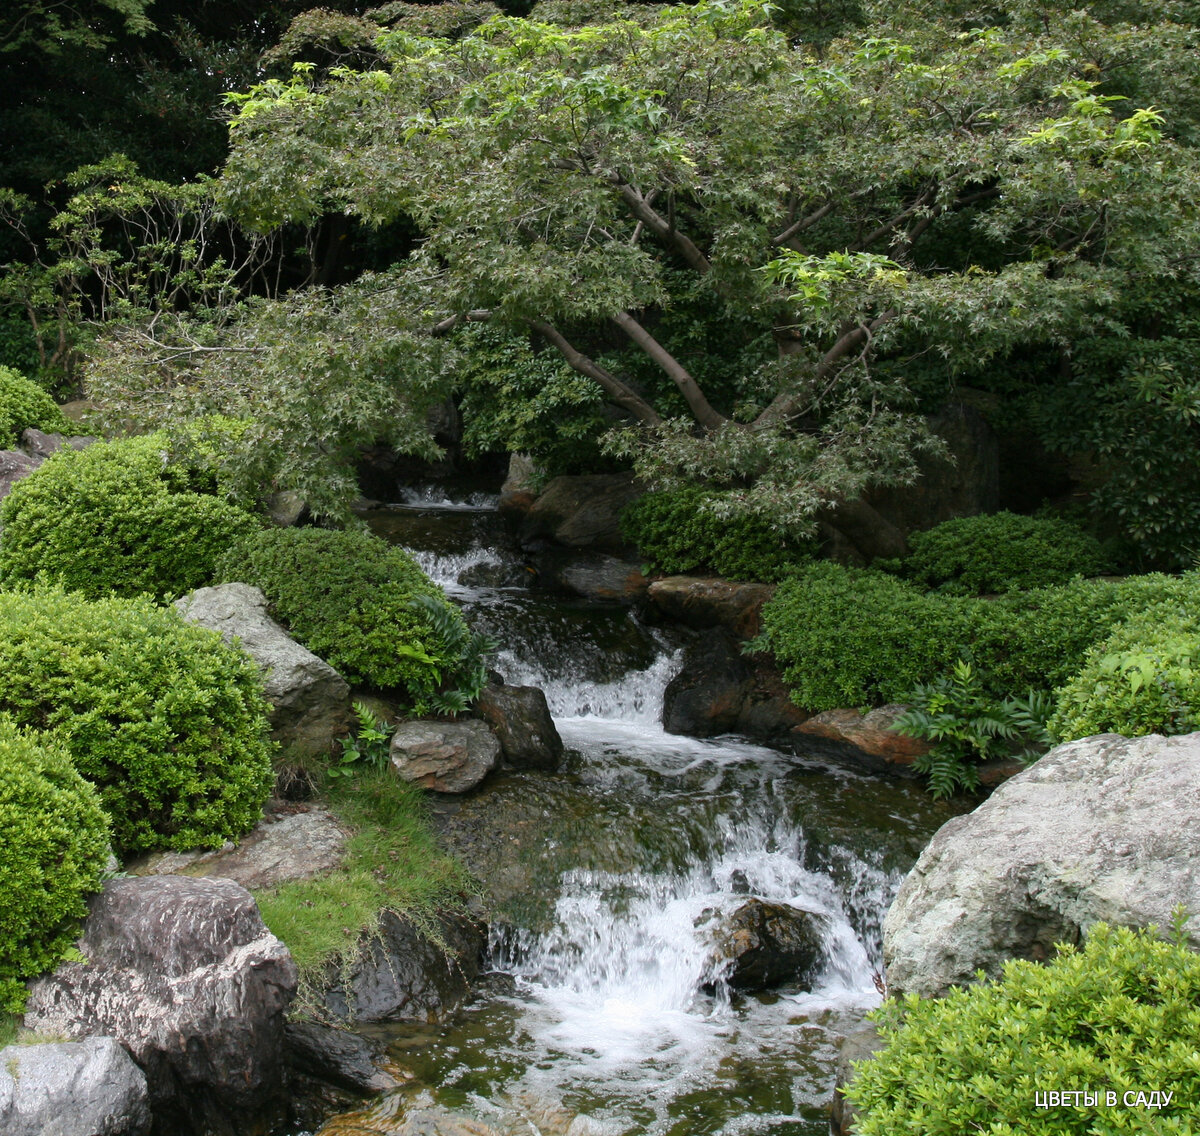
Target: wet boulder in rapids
766, 944
520, 719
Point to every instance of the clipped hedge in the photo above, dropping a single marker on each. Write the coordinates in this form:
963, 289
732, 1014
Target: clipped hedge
117, 518
1119, 1015
999, 552
161, 716
1143, 679
855, 637
362, 605
54, 838
23, 404
677, 532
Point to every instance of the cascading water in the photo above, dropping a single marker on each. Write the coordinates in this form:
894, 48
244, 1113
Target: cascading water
612, 1015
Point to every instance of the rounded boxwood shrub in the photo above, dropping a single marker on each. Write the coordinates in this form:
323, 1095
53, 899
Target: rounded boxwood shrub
167, 721
1143, 679
999, 552
854, 637
1120, 1014
366, 608
676, 532
117, 518
23, 404
53, 843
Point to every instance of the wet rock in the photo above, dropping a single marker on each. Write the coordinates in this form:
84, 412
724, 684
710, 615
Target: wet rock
447, 757
581, 512
286, 508
13, 466
867, 739
519, 490
1104, 828
766, 944
705, 602
289, 843
718, 690
603, 578
336, 1056
183, 973
38, 444
521, 721
404, 976
854, 1047
310, 700
75, 1088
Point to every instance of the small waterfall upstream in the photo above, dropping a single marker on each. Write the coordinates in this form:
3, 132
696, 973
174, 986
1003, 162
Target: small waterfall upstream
609, 1013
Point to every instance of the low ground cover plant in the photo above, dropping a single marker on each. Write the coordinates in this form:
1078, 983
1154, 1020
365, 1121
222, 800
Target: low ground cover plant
118, 518
55, 838
162, 717
24, 405
1119, 1014
367, 609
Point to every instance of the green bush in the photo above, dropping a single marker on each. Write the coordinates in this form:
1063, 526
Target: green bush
117, 518
366, 608
23, 404
1000, 552
161, 716
1143, 679
677, 532
53, 842
854, 637
1120, 1014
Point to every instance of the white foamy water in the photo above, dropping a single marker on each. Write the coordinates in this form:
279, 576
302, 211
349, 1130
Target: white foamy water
446, 568
435, 497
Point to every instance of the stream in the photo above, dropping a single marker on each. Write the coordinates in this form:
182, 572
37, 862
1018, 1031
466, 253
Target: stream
605, 1012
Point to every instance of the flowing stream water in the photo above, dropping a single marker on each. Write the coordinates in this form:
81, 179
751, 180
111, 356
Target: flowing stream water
606, 1012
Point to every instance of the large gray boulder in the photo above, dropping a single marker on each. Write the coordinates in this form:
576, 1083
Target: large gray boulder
73, 1088
403, 975
13, 466
183, 973
311, 700
447, 757
1104, 828
581, 512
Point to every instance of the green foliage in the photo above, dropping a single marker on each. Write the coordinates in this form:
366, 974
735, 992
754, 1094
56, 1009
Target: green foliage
1143, 679
161, 716
461, 683
968, 726
54, 837
363, 606
23, 404
117, 518
393, 862
999, 552
851, 637
367, 747
1118, 1014
684, 531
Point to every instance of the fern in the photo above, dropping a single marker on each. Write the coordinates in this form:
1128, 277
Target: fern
462, 681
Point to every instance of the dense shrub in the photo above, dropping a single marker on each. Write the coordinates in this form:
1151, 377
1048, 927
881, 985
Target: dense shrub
1143, 679
162, 717
23, 404
852, 637
999, 552
677, 532
117, 518
847, 637
366, 608
1120, 1014
53, 841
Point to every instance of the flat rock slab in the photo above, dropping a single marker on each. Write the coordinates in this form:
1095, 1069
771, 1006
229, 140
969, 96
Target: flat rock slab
447, 757
337, 1056
1101, 829
72, 1088
868, 738
293, 843
709, 601
310, 700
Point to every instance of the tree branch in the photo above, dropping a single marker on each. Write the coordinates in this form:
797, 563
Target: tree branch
620, 393
698, 404
641, 208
